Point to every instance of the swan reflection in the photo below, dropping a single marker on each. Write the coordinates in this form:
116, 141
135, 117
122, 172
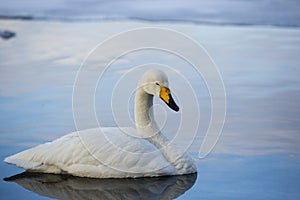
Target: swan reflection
70, 187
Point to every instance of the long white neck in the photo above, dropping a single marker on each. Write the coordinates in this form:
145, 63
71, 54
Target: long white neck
143, 111
148, 129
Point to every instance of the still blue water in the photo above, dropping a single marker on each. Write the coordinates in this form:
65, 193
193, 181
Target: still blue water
257, 156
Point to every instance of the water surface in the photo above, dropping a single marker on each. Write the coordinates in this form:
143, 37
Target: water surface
257, 156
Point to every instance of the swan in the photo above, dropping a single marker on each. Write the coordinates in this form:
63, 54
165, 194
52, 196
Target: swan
109, 152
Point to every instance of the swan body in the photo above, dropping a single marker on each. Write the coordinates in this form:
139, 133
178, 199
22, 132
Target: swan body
110, 152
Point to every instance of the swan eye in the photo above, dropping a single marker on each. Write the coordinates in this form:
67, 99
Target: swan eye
156, 83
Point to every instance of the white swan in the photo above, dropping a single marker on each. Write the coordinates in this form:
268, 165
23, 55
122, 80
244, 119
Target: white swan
111, 153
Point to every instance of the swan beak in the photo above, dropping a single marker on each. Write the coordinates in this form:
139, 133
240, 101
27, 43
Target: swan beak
165, 95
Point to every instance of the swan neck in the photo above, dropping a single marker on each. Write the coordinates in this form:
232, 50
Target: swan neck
145, 123
148, 129
143, 109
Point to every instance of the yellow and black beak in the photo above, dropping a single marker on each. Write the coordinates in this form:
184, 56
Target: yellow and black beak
165, 95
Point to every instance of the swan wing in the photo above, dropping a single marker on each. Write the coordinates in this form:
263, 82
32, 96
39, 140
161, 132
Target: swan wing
98, 153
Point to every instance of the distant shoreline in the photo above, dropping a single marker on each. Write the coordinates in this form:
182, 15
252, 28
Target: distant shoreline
105, 19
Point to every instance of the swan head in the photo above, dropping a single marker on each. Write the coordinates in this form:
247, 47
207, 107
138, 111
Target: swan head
155, 82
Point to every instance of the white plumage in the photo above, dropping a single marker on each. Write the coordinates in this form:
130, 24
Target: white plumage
111, 153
